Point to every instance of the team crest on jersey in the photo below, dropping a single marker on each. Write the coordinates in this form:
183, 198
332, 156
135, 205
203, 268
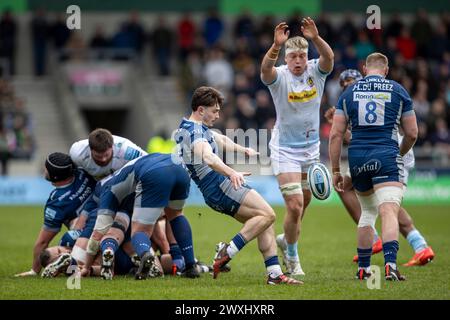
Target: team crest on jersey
310, 81
303, 96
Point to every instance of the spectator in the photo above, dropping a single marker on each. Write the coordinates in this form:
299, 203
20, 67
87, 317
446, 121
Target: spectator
218, 71
39, 35
421, 31
294, 23
406, 45
420, 101
265, 110
8, 38
186, 36
136, 33
245, 111
363, 47
99, 40
59, 33
162, 38
394, 27
213, 28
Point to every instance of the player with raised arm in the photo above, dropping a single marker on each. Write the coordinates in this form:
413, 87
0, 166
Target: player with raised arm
223, 188
296, 89
423, 253
375, 107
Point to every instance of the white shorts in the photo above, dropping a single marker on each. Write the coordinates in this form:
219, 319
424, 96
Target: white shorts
285, 159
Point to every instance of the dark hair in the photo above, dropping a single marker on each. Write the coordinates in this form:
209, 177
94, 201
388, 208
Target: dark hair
44, 258
207, 97
59, 166
100, 140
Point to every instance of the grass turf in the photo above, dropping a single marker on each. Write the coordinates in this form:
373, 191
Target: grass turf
327, 246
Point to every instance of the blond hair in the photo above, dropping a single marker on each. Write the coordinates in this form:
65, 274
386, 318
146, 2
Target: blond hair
296, 44
376, 60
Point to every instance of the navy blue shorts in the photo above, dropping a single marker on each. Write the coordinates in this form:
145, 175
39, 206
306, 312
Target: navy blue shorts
370, 167
221, 196
158, 187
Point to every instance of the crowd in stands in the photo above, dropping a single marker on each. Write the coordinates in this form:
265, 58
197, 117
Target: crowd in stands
16, 138
213, 52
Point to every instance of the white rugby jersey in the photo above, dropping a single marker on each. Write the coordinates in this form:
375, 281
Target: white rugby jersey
297, 103
123, 151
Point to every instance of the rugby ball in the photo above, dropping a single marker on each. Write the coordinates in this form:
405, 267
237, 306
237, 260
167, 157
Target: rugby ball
319, 181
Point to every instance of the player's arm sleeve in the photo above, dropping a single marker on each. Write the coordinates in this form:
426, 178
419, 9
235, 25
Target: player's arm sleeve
75, 152
53, 219
318, 72
341, 106
407, 104
132, 151
274, 83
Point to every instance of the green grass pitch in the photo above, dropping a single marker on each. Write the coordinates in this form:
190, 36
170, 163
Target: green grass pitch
327, 245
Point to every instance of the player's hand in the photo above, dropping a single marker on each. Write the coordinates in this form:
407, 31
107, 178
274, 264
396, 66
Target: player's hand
338, 182
281, 34
309, 29
30, 273
329, 114
251, 152
237, 179
85, 272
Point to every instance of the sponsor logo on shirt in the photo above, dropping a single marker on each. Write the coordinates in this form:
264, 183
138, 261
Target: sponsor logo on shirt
303, 96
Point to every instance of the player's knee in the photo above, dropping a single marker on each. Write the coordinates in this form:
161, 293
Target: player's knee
295, 206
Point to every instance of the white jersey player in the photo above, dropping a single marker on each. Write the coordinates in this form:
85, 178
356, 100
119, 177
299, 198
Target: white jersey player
103, 153
296, 89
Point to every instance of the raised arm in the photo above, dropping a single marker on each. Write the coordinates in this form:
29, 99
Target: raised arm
310, 32
268, 71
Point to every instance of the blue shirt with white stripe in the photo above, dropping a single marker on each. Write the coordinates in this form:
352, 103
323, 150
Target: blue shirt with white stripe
373, 107
66, 203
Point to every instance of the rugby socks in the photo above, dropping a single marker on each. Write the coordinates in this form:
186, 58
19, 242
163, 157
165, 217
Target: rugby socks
177, 257
273, 267
390, 253
109, 243
236, 244
292, 252
141, 243
416, 240
364, 258
182, 232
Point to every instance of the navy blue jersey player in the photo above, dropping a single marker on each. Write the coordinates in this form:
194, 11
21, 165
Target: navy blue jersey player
73, 188
374, 108
223, 188
159, 184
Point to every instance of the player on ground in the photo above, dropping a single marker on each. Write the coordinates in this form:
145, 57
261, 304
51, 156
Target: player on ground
375, 107
223, 188
73, 188
296, 89
159, 184
102, 154
423, 253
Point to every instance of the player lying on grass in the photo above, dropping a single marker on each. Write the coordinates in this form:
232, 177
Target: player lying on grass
423, 253
374, 108
159, 184
223, 188
73, 187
